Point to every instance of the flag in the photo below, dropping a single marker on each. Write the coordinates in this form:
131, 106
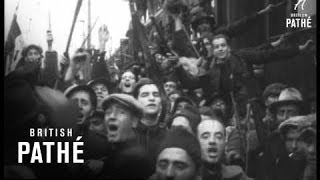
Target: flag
13, 45
14, 32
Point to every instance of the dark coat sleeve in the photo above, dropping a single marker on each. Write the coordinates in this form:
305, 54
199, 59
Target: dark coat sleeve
237, 27
263, 56
187, 80
181, 45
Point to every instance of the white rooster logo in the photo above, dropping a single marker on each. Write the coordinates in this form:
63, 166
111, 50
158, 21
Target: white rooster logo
302, 2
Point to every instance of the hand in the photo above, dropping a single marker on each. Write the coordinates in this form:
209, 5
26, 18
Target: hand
103, 34
306, 46
267, 9
94, 166
49, 38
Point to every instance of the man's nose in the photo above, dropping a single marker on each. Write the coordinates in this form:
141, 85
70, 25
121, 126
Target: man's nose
170, 172
286, 115
212, 140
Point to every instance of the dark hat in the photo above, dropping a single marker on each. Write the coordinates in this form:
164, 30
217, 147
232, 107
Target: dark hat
289, 96
103, 81
207, 111
181, 138
191, 113
274, 88
198, 16
182, 99
21, 102
224, 97
126, 100
98, 114
31, 46
76, 88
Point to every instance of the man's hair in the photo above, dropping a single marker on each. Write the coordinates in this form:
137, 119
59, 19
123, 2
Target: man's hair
217, 36
142, 82
129, 70
219, 121
25, 50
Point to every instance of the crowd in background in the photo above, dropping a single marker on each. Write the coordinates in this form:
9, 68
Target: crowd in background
188, 109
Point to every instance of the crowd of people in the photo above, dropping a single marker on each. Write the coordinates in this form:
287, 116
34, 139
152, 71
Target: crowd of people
203, 120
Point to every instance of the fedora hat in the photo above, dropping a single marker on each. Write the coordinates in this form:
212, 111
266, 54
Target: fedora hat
289, 96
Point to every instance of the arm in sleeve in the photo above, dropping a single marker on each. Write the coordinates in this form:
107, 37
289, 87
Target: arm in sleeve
256, 56
181, 45
187, 80
237, 27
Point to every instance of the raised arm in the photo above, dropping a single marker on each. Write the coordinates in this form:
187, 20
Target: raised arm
271, 55
240, 26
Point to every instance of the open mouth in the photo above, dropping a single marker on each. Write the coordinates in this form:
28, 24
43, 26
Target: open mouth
80, 116
213, 151
127, 85
113, 127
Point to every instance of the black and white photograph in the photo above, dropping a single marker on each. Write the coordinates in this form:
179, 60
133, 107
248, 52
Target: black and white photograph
160, 89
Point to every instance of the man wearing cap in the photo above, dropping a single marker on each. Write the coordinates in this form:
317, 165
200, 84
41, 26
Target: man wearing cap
85, 98
289, 105
178, 157
212, 136
102, 87
127, 158
290, 160
270, 95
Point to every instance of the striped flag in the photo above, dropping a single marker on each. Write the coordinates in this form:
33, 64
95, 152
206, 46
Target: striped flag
13, 45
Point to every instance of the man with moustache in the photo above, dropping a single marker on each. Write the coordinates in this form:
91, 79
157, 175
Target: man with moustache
212, 136
127, 82
148, 129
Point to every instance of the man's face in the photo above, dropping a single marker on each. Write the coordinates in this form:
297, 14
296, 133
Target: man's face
221, 49
101, 91
175, 163
182, 122
127, 82
211, 135
173, 97
181, 106
271, 99
82, 99
308, 146
286, 111
33, 55
97, 124
118, 121
219, 105
170, 86
149, 96
208, 46
204, 29
291, 142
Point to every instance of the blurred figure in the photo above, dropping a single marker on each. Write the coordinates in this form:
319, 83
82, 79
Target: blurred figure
178, 157
102, 87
